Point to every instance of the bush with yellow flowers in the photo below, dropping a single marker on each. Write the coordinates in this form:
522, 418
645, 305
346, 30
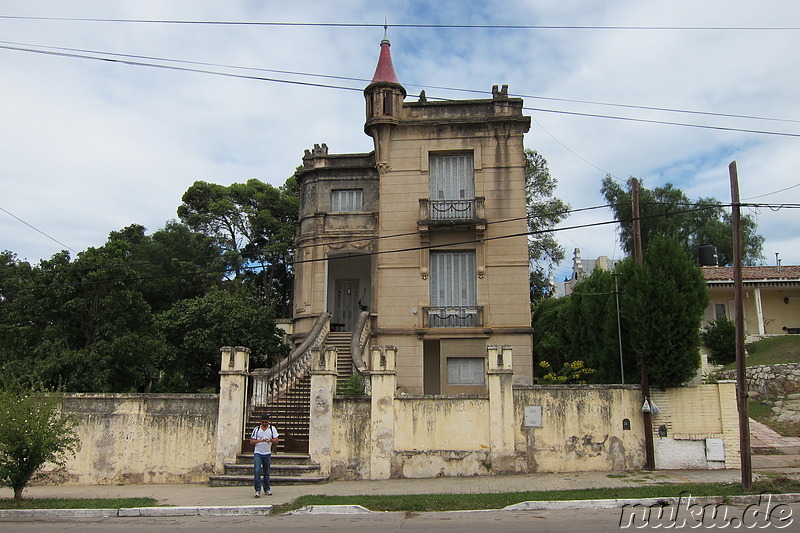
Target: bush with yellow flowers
571, 373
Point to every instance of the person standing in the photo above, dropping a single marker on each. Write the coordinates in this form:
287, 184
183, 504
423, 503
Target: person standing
263, 436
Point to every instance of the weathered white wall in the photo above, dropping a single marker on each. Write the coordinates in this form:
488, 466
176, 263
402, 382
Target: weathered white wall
141, 438
581, 428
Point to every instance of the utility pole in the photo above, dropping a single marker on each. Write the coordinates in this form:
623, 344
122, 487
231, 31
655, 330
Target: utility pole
649, 448
738, 290
619, 327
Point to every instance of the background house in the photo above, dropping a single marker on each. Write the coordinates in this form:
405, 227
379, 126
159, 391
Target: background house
771, 298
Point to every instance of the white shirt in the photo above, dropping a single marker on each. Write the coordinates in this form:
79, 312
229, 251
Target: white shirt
264, 448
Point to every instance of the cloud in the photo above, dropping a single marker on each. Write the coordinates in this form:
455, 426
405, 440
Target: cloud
90, 147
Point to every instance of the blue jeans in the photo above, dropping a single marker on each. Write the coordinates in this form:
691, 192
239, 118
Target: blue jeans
261, 464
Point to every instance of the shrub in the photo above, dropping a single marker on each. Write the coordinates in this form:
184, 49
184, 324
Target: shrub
720, 339
32, 433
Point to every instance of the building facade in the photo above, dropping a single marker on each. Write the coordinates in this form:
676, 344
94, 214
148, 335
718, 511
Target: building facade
771, 299
425, 235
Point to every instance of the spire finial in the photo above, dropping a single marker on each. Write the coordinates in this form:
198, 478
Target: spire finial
385, 30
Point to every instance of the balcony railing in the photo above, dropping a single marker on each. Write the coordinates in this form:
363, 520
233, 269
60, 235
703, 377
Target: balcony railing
432, 212
453, 316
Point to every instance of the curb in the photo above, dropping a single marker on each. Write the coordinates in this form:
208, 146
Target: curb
240, 510
332, 509
263, 510
652, 502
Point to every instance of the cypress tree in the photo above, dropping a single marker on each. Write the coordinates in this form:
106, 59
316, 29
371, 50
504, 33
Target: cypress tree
662, 304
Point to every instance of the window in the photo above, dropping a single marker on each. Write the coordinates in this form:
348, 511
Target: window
466, 371
452, 191
719, 311
453, 290
347, 200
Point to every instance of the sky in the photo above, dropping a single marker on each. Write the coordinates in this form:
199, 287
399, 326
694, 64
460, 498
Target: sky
91, 146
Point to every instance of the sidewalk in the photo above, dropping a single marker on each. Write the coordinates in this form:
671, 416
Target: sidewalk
202, 495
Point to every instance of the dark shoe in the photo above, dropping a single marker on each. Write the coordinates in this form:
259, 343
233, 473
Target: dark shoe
258, 494
268, 493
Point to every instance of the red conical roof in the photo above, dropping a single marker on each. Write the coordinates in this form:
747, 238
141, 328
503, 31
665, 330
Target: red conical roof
384, 72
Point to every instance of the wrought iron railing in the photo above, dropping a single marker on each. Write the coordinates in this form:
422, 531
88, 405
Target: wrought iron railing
449, 211
453, 316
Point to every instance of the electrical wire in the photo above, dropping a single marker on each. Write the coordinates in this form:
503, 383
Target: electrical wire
359, 89
374, 253
36, 229
365, 80
407, 25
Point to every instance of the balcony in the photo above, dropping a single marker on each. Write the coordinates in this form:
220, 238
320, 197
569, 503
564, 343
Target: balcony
448, 213
453, 316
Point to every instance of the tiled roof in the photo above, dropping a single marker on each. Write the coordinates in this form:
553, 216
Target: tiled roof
789, 273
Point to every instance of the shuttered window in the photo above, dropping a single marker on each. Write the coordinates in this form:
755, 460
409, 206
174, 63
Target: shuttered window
466, 371
347, 200
452, 190
453, 289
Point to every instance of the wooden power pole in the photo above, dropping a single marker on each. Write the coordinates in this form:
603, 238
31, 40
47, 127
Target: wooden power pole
649, 448
738, 290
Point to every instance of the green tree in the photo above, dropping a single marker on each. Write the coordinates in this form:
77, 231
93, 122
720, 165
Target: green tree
32, 433
662, 305
667, 211
197, 328
544, 211
720, 339
551, 333
254, 224
172, 264
80, 325
595, 330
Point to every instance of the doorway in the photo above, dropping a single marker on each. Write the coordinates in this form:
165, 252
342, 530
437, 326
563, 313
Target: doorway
345, 303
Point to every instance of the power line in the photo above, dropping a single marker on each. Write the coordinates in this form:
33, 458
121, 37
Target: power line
36, 229
382, 252
774, 192
407, 25
456, 89
329, 86
664, 122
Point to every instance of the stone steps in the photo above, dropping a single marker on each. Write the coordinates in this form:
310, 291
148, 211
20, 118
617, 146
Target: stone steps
286, 469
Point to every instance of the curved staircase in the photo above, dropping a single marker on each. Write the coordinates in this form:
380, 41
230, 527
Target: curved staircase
289, 411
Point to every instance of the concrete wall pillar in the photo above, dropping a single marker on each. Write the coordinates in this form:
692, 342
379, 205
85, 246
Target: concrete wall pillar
232, 397
729, 414
383, 377
323, 387
501, 408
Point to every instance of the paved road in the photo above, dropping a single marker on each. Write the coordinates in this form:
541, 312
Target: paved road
785, 517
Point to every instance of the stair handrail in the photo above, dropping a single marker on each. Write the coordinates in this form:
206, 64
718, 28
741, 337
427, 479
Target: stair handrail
289, 371
358, 342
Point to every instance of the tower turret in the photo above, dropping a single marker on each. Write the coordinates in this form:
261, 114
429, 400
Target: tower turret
384, 96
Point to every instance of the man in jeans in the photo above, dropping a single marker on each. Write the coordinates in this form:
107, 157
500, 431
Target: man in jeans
263, 436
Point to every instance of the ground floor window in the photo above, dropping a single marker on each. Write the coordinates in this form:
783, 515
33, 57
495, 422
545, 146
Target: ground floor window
466, 371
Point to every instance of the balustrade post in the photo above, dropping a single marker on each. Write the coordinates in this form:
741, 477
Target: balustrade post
383, 378
323, 387
232, 398
501, 408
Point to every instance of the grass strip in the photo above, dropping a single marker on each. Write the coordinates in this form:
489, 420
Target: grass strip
76, 503
462, 502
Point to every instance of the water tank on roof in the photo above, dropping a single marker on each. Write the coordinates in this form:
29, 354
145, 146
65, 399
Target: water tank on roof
707, 255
